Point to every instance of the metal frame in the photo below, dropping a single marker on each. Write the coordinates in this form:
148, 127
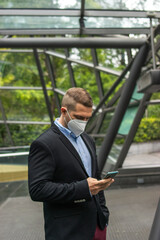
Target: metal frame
43, 83
132, 132
97, 73
70, 69
52, 79
71, 42
76, 31
79, 12
22, 88
84, 63
109, 38
122, 105
24, 122
81, 19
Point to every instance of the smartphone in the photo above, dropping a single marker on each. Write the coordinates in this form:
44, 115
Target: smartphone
111, 174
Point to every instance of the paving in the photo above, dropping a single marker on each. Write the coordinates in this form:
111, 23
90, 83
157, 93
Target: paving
132, 212
132, 208
146, 160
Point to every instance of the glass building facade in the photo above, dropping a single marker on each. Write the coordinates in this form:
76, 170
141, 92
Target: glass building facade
105, 47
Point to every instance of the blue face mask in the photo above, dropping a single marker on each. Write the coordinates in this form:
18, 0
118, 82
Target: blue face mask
76, 126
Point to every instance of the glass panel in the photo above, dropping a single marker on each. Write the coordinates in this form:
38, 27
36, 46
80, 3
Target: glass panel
115, 59
47, 22
136, 95
43, 22
123, 130
25, 105
148, 5
40, 4
127, 120
81, 54
106, 122
102, 22
113, 156
130, 113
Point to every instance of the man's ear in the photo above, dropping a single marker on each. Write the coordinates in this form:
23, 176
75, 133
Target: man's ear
63, 110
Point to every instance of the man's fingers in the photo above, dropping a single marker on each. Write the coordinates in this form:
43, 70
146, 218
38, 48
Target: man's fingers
105, 184
106, 181
97, 185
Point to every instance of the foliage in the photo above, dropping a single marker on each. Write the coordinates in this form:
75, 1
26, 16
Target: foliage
20, 70
148, 130
22, 135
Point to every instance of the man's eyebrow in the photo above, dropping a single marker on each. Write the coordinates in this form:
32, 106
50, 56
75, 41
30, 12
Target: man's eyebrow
80, 116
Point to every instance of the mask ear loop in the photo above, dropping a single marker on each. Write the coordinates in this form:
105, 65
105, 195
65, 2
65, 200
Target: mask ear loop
69, 114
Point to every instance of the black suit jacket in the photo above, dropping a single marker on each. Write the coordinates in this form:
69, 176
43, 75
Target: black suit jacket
57, 178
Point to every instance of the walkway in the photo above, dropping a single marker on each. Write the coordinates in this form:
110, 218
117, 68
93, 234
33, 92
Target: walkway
132, 212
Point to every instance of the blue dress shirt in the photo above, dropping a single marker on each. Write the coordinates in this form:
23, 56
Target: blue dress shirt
79, 145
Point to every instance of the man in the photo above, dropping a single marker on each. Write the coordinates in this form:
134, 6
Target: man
63, 174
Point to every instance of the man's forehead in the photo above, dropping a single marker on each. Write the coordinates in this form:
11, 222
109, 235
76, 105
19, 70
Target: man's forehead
82, 112
81, 107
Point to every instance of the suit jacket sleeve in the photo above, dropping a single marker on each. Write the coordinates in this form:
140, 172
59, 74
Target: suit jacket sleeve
42, 187
100, 196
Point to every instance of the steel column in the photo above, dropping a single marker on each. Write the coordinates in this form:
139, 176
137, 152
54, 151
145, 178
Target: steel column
152, 45
94, 42
106, 96
99, 122
109, 104
97, 73
76, 12
43, 84
75, 31
53, 81
126, 94
81, 20
5, 123
72, 80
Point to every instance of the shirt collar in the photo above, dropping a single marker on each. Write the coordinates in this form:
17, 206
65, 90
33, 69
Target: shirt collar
64, 130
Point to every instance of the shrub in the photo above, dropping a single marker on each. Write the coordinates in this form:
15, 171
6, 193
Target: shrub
149, 129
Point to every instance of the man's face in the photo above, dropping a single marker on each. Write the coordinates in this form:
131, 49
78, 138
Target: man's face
81, 112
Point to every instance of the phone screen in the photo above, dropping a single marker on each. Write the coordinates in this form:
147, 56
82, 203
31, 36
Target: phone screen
111, 174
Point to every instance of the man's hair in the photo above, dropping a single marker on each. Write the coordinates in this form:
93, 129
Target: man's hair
76, 95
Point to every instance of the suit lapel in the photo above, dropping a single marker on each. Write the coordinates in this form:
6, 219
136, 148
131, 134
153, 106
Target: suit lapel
71, 148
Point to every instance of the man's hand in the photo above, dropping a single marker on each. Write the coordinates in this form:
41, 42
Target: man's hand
97, 185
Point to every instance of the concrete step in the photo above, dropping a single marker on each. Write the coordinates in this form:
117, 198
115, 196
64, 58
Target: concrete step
10, 172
